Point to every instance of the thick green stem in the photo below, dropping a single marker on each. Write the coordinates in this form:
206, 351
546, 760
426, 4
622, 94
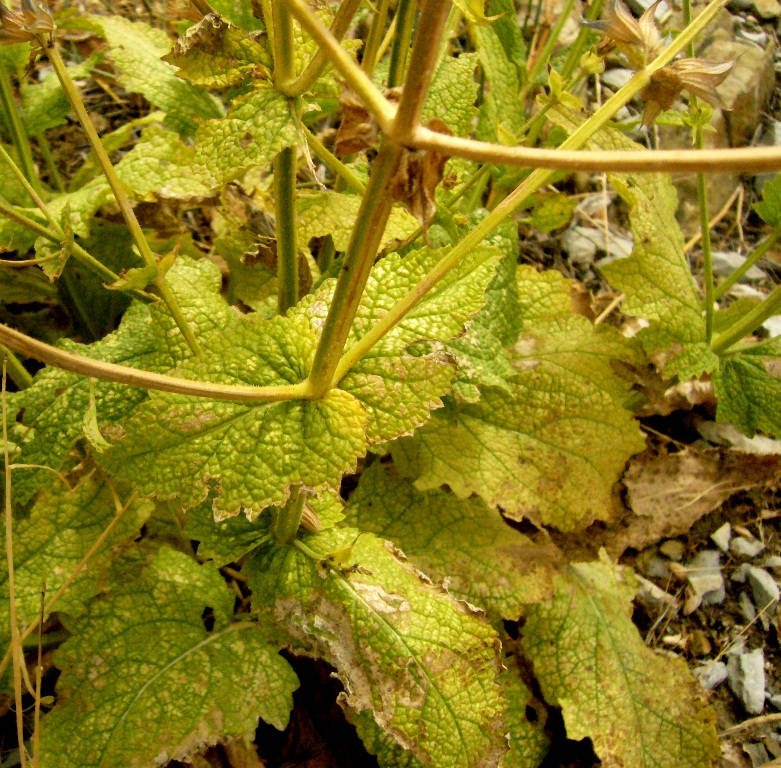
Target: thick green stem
160, 283
333, 163
358, 261
285, 211
769, 307
36, 198
405, 12
20, 375
293, 86
284, 48
327, 253
51, 165
758, 253
18, 133
707, 253
287, 520
376, 32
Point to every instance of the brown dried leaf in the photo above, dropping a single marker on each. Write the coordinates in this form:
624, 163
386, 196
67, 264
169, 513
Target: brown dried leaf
358, 129
668, 494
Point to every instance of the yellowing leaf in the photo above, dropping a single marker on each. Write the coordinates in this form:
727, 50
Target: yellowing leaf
559, 427
637, 707
423, 663
144, 650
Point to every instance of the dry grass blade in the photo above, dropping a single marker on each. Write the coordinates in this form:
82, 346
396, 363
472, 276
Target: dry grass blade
38, 675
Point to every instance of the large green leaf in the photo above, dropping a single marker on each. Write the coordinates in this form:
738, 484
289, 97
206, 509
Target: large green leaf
216, 54
639, 709
748, 386
655, 279
423, 663
48, 545
144, 682
147, 338
258, 125
161, 166
255, 453
239, 12
560, 427
460, 542
334, 213
451, 96
136, 49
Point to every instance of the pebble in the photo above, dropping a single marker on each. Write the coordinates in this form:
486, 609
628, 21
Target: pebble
617, 78
711, 674
726, 262
744, 547
757, 754
746, 674
775, 701
657, 568
774, 561
672, 549
747, 607
705, 577
581, 244
721, 537
764, 589
649, 592
773, 326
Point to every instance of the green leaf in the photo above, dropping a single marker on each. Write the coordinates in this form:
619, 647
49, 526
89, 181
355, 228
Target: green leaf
552, 212
136, 49
748, 387
656, 279
49, 544
258, 125
769, 207
216, 54
161, 166
145, 650
502, 110
147, 339
334, 213
460, 542
423, 663
560, 426
528, 741
44, 104
637, 707
451, 96
396, 388
255, 453
379, 743
480, 352
238, 12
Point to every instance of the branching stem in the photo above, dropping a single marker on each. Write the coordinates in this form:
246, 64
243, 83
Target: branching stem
759, 252
333, 163
287, 520
405, 14
374, 38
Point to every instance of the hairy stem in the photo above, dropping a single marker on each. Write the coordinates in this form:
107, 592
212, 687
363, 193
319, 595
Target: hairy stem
285, 212
97, 369
372, 48
405, 13
74, 97
358, 261
294, 86
756, 255
18, 133
287, 520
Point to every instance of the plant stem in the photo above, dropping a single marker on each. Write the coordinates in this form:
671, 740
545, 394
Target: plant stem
16, 642
46, 151
327, 252
285, 211
358, 261
550, 44
374, 39
333, 163
87, 366
18, 133
770, 306
74, 97
287, 520
758, 253
36, 198
16, 370
293, 86
284, 50
405, 12
573, 56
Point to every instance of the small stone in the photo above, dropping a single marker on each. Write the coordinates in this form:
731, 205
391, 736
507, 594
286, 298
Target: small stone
747, 607
721, 536
773, 326
726, 262
672, 549
704, 576
697, 643
774, 561
744, 547
657, 568
650, 593
740, 574
617, 78
710, 674
775, 701
764, 589
581, 244
757, 754
746, 676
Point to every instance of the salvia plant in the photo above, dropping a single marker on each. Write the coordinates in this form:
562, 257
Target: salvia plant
176, 511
